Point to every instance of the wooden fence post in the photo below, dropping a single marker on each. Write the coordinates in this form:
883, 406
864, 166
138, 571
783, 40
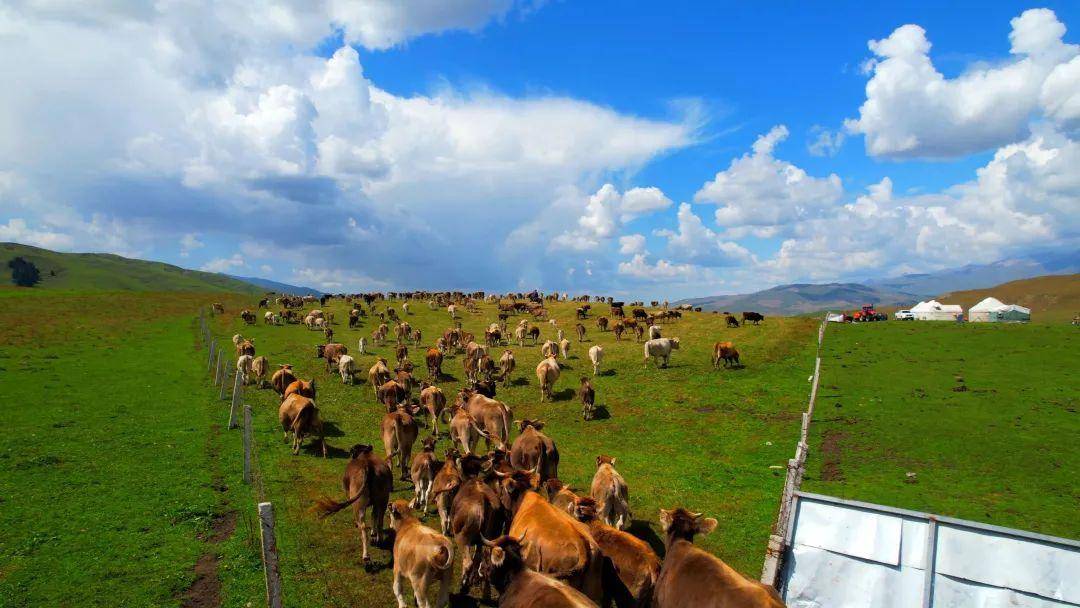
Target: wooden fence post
224, 375
210, 357
217, 366
238, 387
269, 554
247, 444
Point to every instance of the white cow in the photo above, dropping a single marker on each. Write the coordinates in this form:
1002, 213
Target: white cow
660, 349
452, 309
596, 355
654, 332
243, 365
564, 348
347, 368
361, 346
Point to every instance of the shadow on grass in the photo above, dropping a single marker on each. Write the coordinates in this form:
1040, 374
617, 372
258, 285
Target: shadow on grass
607, 373
565, 394
331, 429
601, 412
522, 381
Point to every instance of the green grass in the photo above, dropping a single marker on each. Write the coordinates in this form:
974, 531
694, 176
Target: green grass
108, 272
112, 466
685, 436
1004, 451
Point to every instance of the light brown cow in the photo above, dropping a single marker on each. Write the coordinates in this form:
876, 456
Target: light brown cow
399, 431
421, 555
547, 372
422, 471
580, 332
378, 375
564, 348
299, 416
464, 430
612, 496
434, 401
549, 349
534, 450
304, 388
493, 417
520, 586
259, 367
555, 543
726, 352
693, 578
332, 353
602, 323
475, 514
434, 360
282, 378
507, 363
618, 328
445, 487
634, 562
560, 495
368, 482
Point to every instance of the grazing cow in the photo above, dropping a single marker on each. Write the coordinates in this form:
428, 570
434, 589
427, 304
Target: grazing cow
520, 586
611, 494
654, 332
549, 349
752, 317
259, 366
534, 450
218, 307
434, 360
596, 356
507, 363
368, 482
534, 333
731, 321
580, 332
464, 430
691, 577
475, 514
564, 348
632, 559
268, 318
299, 416
378, 375
391, 393
422, 471
304, 388
519, 334
547, 372
556, 544
361, 346
639, 314
282, 378
618, 328
660, 349
493, 417
243, 365
399, 431
587, 395
445, 487
347, 369
248, 316
434, 401
602, 323
421, 555
332, 354
726, 352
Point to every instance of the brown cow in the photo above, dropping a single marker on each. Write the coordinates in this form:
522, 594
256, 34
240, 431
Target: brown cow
401, 353
422, 471
520, 586
420, 554
690, 577
555, 543
587, 395
533, 333
533, 449
331, 353
633, 561
618, 328
434, 359
378, 375
580, 332
492, 417
282, 378
299, 416
609, 491
475, 514
399, 431
602, 323
445, 487
368, 481
304, 388
434, 401
559, 494
507, 363
547, 373
726, 352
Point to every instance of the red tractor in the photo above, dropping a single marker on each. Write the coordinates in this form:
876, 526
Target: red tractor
868, 314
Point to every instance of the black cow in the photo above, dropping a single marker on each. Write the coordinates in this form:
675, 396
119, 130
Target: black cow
752, 317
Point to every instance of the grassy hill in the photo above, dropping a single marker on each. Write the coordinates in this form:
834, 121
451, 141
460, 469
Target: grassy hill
1052, 299
108, 272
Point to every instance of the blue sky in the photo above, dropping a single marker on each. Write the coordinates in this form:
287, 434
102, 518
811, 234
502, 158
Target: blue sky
505, 145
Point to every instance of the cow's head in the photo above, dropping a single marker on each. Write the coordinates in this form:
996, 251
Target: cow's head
535, 424
505, 560
320, 349
681, 524
359, 450
584, 509
675, 343
398, 511
602, 459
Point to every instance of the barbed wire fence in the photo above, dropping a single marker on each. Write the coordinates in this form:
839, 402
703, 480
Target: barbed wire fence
796, 468
218, 368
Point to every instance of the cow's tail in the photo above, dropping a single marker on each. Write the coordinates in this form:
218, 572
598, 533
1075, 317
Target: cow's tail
326, 506
443, 556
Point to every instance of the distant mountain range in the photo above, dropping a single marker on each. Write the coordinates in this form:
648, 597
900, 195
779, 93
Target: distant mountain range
905, 290
277, 287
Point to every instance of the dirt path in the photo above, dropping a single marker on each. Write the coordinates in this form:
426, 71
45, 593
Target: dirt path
205, 591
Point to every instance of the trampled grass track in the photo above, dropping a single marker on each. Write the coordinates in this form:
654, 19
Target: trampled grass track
687, 435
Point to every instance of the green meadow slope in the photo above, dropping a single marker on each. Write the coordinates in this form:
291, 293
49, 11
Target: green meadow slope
108, 272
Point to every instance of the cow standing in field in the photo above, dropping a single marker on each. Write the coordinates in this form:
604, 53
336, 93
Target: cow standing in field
259, 367
421, 555
547, 373
378, 375
434, 401
304, 388
596, 356
422, 471
243, 366
726, 352
693, 578
602, 323
549, 349
612, 496
399, 431
361, 346
507, 363
476, 513
618, 329
534, 450
633, 560
445, 487
564, 348
731, 321
580, 332
520, 586
368, 482
347, 369
660, 349
282, 378
752, 317
299, 416
587, 395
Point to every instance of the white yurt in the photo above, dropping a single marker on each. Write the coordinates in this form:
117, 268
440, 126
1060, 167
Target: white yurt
933, 310
984, 311
1013, 312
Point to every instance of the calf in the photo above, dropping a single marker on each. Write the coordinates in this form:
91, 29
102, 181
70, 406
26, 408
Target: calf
259, 366
635, 566
422, 471
587, 395
596, 355
690, 577
420, 554
726, 352
520, 586
507, 363
534, 450
611, 494
299, 416
445, 487
399, 431
347, 369
368, 482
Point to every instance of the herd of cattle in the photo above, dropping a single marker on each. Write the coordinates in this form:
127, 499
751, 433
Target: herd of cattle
516, 527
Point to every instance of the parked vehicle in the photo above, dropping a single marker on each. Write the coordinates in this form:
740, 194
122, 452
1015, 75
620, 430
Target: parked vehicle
904, 315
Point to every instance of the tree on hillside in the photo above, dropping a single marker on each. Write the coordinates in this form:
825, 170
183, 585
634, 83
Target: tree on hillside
23, 272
